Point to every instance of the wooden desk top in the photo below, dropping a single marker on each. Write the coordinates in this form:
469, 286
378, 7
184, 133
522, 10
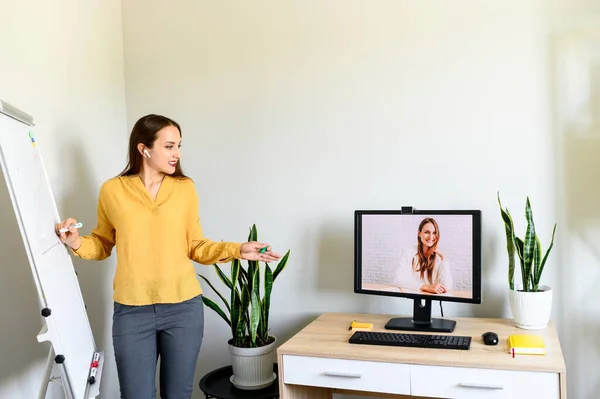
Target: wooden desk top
327, 336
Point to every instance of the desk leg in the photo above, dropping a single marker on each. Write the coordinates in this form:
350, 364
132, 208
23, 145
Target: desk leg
563, 386
303, 392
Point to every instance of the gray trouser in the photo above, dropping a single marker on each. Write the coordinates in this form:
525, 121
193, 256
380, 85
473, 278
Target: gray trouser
142, 334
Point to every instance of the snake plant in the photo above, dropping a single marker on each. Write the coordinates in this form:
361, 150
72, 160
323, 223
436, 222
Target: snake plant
529, 250
247, 313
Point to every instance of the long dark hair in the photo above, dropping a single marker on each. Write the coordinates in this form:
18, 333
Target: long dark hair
145, 131
426, 264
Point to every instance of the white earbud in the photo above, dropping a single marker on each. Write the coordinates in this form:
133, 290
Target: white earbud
147, 153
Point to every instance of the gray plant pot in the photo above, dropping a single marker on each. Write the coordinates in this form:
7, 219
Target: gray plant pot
253, 367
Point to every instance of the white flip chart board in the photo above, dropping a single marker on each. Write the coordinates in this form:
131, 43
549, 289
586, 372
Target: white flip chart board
67, 327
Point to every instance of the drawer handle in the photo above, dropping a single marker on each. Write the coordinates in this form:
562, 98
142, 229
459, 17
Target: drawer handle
344, 375
480, 386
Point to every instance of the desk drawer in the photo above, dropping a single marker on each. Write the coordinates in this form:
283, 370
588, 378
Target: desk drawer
347, 374
473, 383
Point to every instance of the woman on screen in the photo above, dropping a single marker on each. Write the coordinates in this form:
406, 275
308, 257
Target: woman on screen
423, 267
150, 213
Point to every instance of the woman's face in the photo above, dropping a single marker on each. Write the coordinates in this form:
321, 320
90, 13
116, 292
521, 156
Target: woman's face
428, 235
165, 152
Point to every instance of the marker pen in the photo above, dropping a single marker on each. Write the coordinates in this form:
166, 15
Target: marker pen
76, 225
92, 378
94, 369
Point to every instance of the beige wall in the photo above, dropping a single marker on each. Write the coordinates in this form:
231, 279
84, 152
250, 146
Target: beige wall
295, 114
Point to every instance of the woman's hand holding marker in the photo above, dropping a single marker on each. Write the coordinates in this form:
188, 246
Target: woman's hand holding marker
67, 231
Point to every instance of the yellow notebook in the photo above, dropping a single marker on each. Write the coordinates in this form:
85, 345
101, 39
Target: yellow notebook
526, 345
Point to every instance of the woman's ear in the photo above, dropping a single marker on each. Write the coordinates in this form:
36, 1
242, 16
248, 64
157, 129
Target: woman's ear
143, 150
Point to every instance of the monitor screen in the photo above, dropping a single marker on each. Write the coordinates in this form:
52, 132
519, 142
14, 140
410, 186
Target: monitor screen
433, 255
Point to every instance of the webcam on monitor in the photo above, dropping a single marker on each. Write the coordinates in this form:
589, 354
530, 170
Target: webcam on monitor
423, 255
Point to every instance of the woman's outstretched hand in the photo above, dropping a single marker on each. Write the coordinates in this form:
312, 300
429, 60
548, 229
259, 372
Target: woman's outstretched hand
252, 251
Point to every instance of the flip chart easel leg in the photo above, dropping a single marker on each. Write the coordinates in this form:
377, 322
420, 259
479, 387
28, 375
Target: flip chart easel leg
47, 373
64, 378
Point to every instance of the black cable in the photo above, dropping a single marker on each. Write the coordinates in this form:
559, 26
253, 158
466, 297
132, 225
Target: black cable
441, 309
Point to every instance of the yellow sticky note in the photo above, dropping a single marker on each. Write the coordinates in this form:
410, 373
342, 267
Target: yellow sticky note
360, 326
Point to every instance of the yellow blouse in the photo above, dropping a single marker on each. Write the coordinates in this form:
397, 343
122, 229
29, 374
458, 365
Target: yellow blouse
156, 240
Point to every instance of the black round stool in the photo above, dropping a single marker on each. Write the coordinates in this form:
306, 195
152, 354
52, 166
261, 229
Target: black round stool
216, 384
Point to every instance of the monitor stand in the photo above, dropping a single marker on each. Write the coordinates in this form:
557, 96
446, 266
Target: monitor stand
421, 320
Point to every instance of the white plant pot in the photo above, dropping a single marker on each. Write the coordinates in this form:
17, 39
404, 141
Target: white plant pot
531, 310
252, 367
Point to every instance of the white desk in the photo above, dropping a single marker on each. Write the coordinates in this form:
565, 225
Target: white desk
319, 361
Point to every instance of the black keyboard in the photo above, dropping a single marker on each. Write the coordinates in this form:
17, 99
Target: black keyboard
411, 340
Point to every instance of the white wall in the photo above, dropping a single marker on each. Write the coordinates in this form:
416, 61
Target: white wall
296, 113
61, 62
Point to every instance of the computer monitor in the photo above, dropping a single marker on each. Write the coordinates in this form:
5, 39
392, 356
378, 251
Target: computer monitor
420, 255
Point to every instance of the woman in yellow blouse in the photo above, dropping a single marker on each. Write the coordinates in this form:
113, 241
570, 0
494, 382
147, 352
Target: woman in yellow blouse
150, 214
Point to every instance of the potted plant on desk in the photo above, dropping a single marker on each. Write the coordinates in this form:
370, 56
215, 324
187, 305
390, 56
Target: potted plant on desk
251, 346
530, 303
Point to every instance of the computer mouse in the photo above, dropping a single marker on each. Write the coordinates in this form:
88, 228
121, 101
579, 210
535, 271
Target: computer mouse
490, 338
